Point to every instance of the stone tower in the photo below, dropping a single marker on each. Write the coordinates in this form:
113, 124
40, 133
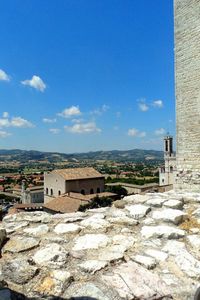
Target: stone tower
187, 77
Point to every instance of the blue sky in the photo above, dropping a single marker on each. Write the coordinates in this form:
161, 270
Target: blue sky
86, 75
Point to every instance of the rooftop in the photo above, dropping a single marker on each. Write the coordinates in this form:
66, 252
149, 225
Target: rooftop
78, 173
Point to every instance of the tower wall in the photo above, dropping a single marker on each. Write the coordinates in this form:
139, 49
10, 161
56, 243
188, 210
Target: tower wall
187, 77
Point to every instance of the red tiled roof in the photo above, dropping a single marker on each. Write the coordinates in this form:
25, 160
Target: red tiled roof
64, 204
78, 173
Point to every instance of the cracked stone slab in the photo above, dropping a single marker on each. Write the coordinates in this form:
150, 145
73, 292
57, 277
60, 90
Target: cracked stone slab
138, 211
90, 241
112, 253
184, 260
54, 283
156, 202
14, 226
92, 266
20, 244
162, 231
169, 215
96, 221
176, 204
52, 255
146, 261
18, 270
37, 231
158, 255
132, 281
67, 228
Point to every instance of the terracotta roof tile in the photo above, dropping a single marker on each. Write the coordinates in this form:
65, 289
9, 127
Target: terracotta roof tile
78, 173
64, 204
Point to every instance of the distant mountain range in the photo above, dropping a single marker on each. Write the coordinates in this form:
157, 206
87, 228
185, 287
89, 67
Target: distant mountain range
135, 155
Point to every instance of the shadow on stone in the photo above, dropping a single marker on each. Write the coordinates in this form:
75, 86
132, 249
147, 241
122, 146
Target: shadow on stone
7, 294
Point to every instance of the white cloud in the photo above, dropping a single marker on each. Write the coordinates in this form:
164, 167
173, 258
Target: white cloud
4, 76
4, 134
136, 133
36, 82
20, 122
142, 105
158, 103
5, 114
4, 123
15, 122
160, 131
46, 120
54, 130
83, 128
99, 111
70, 112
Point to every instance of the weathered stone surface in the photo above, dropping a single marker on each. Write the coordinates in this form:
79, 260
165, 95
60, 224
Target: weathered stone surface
138, 211
90, 241
156, 202
185, 261
120, 203
95, 222
18, 270
55, 283
89, 290
112, 253
92, 266
13, 226
162, 231
194, 241
20, 244
52, 255
126, 240
123, 221
158, 255
37, 231
169, 215
145, 261
176, 204
131, 281
67, 228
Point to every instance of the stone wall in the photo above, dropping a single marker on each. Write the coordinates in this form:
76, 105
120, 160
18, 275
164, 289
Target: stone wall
187, 61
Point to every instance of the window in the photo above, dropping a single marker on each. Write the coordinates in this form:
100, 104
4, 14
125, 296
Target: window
51, 192
171, 169
98, 190
91, 191
47, 191
59, 193
166, 146
163, 180
83, 192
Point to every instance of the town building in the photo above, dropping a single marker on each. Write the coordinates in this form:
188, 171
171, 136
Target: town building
166, 173
79, 180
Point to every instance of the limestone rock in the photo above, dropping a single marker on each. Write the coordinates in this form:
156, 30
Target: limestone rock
138, 211
92, 266
176, 204
90, 241
126, 240
20, 244
184, 260
119, 203
169, 215
67, 228
158, 255
96, 221
194, 241
145, 261
52, 255
156, 202
162, 231
18, 270
131, 281
123, 221
55, 283
13, 226
112, 253
37, 231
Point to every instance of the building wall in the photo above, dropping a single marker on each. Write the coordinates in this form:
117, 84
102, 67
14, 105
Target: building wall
53, 185
187, 61
85, 185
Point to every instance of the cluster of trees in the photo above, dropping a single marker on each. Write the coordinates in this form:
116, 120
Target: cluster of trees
133, 180
96, 203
